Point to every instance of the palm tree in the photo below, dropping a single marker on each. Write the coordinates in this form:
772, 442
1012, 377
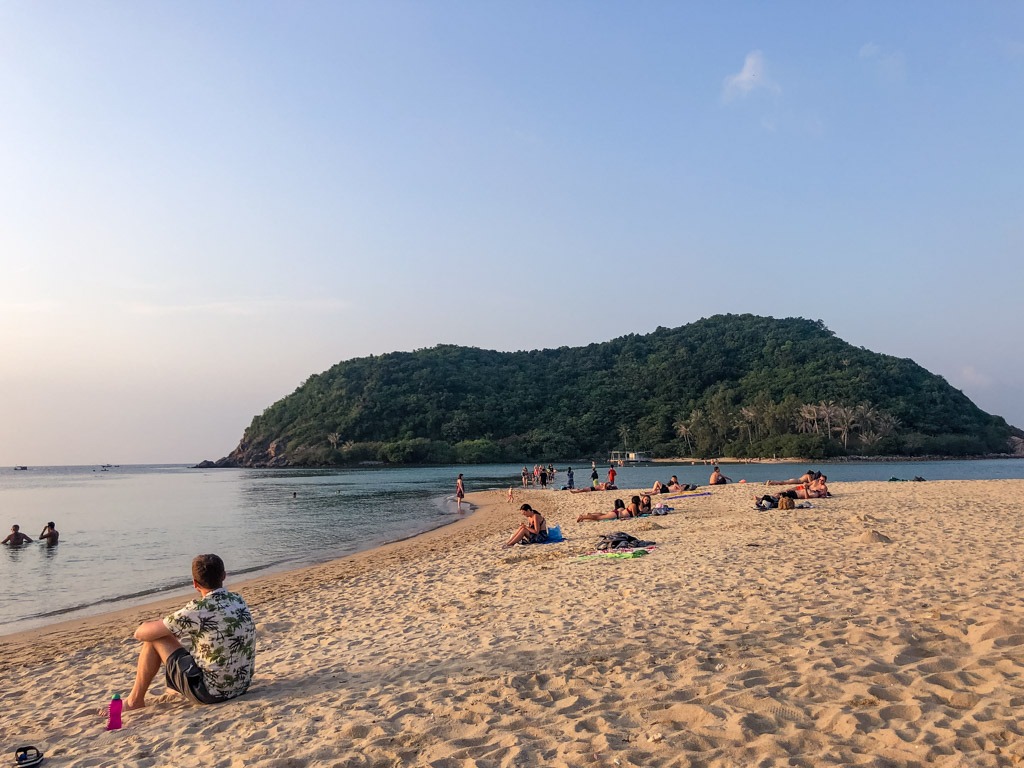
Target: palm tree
625, 434
846, 421
683, 431
826, 412
751, 418
333, 439
808, 419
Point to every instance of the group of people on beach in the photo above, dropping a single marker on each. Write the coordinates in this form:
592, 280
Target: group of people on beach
49, 536
541, 476
638, 505
810, 485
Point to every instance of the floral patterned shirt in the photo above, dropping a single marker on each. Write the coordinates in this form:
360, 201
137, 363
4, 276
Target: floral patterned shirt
219, 632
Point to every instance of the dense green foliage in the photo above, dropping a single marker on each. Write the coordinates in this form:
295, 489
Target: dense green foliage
729, 385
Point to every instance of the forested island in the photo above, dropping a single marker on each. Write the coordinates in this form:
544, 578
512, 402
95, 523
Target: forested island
726, 386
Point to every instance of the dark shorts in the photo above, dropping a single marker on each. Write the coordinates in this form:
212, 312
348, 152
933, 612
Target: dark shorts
185, 677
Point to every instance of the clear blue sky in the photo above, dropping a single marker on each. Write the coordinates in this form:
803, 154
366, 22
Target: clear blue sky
204, 203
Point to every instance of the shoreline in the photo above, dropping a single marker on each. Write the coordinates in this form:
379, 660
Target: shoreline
271, 577
885, 623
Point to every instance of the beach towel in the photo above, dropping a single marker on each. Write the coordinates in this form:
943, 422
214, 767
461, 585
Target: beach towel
689, 495
626, 554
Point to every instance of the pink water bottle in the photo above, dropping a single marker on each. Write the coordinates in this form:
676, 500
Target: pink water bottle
114, 721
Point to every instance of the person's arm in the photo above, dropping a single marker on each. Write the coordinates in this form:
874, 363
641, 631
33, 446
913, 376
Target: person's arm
152, 630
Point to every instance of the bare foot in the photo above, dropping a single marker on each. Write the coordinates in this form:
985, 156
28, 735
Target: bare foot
130, 705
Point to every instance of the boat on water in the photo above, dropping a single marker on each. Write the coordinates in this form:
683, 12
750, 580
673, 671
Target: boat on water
21, 467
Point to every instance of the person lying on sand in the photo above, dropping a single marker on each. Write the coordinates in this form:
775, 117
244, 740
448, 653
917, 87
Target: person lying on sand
807, 477
645, 505
220, 632
617, 513
598, 487
633, 508
800, 492
533, 531
672, 485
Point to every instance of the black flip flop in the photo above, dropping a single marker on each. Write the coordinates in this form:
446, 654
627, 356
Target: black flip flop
26, 756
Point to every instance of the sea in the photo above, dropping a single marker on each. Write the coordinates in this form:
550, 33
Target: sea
128, 533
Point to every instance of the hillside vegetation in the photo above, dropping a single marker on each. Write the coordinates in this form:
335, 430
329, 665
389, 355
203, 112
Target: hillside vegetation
729, 385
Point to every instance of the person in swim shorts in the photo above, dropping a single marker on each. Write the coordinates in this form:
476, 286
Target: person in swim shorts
219, 630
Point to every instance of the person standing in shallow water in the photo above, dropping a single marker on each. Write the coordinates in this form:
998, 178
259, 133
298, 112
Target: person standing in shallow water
569, 479
460, 492
16, 537
50, 534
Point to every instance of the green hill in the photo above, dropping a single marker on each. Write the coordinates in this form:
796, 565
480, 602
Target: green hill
729, 385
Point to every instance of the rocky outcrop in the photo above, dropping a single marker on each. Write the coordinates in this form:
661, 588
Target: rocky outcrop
259, 455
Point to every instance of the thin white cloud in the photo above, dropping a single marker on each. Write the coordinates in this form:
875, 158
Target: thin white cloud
30, 307
973, 378
889, 65
239, 308
752, 77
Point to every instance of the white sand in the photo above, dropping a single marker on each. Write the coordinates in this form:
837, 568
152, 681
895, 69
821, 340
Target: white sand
795, 638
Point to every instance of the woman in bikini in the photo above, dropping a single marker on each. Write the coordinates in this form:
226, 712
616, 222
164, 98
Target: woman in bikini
617, 513
633, 508
533, 531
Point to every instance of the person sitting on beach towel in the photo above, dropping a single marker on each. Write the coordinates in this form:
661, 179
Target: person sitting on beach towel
222, 643
807, 477
533, 531
616, 513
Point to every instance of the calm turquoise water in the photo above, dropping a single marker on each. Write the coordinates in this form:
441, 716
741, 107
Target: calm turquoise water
129, 534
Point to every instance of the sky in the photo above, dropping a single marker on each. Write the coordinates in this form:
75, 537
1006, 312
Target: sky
201, 204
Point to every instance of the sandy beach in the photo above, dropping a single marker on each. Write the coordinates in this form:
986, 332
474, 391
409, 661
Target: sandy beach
882, 627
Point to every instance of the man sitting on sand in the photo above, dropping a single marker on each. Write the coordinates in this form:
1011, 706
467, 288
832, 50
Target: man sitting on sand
16, 537
220, 632
717, 478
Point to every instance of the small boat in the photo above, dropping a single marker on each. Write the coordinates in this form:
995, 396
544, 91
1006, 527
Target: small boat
21, 467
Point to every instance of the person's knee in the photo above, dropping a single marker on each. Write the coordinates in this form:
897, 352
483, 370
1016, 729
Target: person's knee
165, 646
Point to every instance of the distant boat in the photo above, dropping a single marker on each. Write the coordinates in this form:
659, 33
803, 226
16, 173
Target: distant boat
21, 467
108, 466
